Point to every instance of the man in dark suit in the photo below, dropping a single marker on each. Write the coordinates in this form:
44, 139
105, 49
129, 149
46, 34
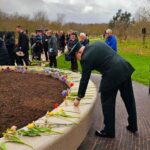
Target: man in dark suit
116, 75
22, 47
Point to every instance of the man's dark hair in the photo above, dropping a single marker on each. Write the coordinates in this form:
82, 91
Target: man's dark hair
73, 33
20, 27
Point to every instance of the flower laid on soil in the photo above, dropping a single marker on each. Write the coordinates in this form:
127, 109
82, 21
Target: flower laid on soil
64, 93
71, 95
61, 113
35, 130
21, 69
31, 130
56, 105
71, 84
12, 135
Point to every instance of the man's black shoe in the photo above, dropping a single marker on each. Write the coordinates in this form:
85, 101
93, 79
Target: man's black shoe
131, 129
103, 134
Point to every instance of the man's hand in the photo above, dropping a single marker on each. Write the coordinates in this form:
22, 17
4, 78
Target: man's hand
76, 102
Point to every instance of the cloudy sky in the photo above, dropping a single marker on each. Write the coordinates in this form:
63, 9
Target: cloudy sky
80, 11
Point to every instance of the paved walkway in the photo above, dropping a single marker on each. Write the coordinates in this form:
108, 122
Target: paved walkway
124, 140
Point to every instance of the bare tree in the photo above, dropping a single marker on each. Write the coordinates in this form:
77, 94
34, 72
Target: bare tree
143, 14
41, 18
60, 18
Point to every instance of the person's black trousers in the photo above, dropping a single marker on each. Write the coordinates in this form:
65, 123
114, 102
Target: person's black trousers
11, 54
108, 100
26, 58
74, 64
53, 61
46, 52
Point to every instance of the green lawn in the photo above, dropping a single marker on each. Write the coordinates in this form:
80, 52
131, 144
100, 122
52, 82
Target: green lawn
141, 65
137, 55
63, 64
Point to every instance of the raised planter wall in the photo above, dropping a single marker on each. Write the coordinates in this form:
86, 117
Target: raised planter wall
72, 135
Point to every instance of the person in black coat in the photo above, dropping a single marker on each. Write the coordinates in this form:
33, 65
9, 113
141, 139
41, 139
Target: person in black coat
22, 46
37, 47
45, 44
72, 41
116, 75
10, 45
62, 40
4, 57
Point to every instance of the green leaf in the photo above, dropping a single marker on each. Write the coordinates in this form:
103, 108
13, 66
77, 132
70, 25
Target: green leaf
73, 94
36, 131
3, 146
41, 129
55, 132
71, 98
18, 140
30, 132
63, 114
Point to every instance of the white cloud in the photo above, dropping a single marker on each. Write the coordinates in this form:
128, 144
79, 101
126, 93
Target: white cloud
87, 9
52, 1
82, 11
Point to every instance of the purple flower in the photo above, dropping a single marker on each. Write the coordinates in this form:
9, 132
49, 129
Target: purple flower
4, 70
64, 93
62, 78
23, 70
56, 74
47, 70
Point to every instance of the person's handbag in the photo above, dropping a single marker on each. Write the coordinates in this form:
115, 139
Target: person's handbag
66, 51
20, 53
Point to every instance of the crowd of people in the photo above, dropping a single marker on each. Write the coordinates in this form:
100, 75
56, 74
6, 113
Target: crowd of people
43, 41
47, 42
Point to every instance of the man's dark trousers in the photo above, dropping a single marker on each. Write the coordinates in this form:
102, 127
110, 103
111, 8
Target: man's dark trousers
108, 100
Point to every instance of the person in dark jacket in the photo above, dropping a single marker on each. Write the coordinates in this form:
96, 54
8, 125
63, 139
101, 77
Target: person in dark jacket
32, 39
37, 47
52, 48
116, 75
45, 43
72, 41
10, 45
111, 40
83, 39
4, 57
22, 47
62, 40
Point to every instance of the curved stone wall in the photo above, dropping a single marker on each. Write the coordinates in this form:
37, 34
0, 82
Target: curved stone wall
73, 130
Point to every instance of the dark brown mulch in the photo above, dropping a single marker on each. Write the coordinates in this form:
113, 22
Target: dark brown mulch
26, 97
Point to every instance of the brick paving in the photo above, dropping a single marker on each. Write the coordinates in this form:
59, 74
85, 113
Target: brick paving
124, 139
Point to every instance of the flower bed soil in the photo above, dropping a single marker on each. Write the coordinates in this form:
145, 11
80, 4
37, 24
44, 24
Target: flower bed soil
25, 97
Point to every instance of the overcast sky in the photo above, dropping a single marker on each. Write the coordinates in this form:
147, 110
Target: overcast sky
80, 11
